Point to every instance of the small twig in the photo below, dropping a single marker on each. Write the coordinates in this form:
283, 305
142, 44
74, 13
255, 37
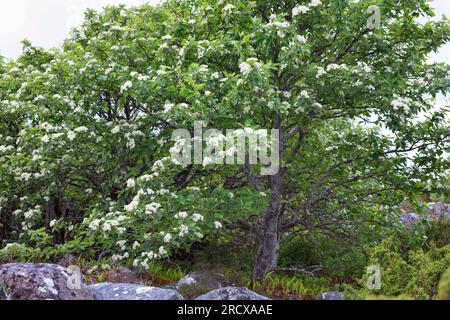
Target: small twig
302, 270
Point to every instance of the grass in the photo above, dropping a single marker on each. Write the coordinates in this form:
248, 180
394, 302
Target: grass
158, 274
291, 287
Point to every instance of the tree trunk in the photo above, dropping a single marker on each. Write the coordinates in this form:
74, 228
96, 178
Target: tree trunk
268, 241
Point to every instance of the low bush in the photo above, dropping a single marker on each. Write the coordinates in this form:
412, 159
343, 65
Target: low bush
413, 273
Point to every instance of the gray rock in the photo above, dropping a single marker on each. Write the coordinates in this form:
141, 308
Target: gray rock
127, 291
232, 293
331, 295
27, 281
203, 280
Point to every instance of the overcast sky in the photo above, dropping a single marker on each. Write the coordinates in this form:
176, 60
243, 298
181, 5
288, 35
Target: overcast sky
48, 22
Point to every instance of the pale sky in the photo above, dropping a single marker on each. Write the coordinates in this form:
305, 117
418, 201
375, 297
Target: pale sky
48, 22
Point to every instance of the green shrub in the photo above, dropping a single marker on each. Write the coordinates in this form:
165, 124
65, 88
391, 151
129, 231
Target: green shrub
337, 256
444, 286
414, 273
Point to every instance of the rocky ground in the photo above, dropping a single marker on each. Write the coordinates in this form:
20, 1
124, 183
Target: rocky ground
26, 281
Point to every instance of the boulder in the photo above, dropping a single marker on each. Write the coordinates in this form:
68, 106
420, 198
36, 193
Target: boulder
331, 295
127, 291
27, 281
202, 280
232, 293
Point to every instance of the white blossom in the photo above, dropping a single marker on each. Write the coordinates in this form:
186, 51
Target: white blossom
304, 94
197, 217
132, 205
199, 235
168, 107
71, 135
6, 148
162, 251
94, 224
131, 183
25, 176
245, 68
115, 130
81, 129
181, 215
298, 10
301, 39
207, 161
320, 72
106, 227
167, 238
228, 8
152, 208
184, 230
127, 85
131, 144
401, 103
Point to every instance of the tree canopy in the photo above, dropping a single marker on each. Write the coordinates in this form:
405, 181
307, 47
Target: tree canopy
85, 130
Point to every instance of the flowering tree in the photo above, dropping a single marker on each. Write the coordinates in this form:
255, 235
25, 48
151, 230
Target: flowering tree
85, 130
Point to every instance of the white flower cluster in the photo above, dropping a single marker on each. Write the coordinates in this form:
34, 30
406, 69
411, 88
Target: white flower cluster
53, 223
127, 85
118, 257
25, 176
279, 26
301, 9
11, 246
167, 237
152, 208
184, 230
320, 72
159, 165
131, 183
181, 215
4, 149
71, 135
32, 212
248, 66
228, 8
115, 130
401, 103
168, 107
133, 205
365, 67
197, 217
334, 66
112, 220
